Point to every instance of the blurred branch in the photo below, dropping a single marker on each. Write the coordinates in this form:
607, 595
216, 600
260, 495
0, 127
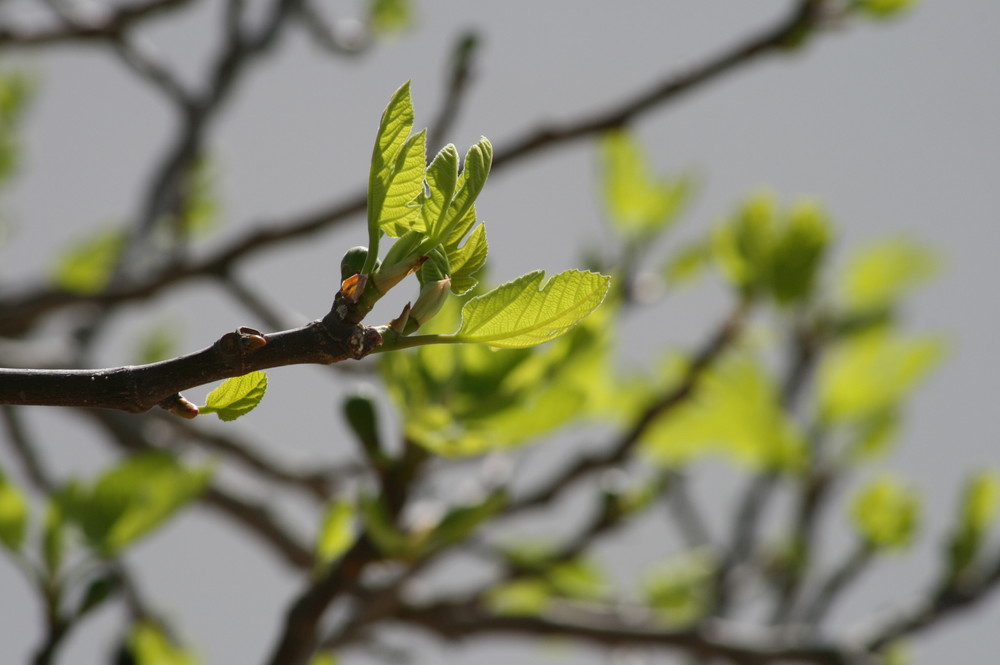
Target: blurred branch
463, 60
127, 435
585, 465
942, 603
26, 450
462, 619
110, 26
840, 578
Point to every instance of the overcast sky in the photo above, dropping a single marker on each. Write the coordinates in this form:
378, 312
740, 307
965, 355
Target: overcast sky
894, 127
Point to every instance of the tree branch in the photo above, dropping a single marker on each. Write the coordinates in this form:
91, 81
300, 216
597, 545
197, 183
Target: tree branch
458, 620
112, 25
139, 388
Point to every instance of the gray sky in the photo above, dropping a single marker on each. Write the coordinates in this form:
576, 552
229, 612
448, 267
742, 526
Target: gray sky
893, 126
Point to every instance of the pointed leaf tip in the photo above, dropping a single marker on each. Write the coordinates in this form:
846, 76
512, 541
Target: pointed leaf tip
524, 312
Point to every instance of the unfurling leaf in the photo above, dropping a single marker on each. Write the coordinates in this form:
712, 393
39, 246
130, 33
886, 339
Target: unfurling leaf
13, 515
236, 396
337, 532
524, 313
883, 8
886, 514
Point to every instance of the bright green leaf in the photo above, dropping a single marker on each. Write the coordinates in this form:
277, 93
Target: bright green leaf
13, 515
442, 183
737, 413
579, 579
977, 510
150, 646
337, 532
527, 597
390, 16
879, 275
400, 211
871, 373
883, 8
86, 266
324, 658
742, 245
639, 202
467, 260
236, 396
394, 128
798, 253
523, 313
687, 263
130, 500
679, 589
886, 513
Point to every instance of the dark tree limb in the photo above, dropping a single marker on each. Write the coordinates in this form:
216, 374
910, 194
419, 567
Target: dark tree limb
139, 388
464, 619
110, 26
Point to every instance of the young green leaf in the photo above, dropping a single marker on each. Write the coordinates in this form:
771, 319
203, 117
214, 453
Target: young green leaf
978, 508
524, 313
13, 515
879, 275
337, 531
86, 266
404, 185
149, 645
798, 253
886, 513
442, 182
468, 260
236, 396
130, 500
883, 9
871, 373
639, 202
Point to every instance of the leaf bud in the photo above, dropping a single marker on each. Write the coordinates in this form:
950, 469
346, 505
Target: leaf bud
432, 297
354, 261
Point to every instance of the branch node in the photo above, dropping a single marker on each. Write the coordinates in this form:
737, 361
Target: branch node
179, 405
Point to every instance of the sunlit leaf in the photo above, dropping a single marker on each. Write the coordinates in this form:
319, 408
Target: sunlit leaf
527, 597
236, 396
466, 261
736, 413
742, 245
638, 201
687, 264
579, 579
337, 531
387, 157
13, 515
524, 313
886, 513
390, 16
130, 500
86, 266
883, 8
798, 253
148, 645
679, 588
879, 275
977, 511
871, 373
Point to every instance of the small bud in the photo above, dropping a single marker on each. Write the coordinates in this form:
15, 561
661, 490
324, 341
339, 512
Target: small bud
398, 324
392, 274
354, 262
432, 298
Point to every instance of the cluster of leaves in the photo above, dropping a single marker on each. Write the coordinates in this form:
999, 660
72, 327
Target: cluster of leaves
69, 552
